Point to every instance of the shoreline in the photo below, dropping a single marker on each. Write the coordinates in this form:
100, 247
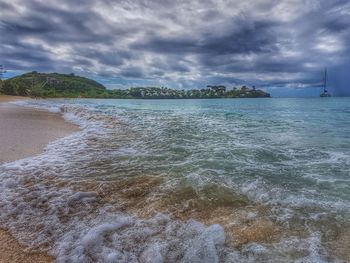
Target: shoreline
25, 132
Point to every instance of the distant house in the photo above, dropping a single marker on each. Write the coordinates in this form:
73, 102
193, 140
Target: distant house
219, 88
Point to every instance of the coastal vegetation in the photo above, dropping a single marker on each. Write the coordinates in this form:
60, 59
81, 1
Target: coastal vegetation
55, 85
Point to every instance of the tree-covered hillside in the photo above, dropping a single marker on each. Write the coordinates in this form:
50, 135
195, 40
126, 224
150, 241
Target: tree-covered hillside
54, 85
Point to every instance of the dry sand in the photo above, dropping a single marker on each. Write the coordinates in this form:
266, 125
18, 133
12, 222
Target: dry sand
25, 132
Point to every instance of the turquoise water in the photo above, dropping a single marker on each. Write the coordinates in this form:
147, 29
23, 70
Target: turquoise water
289, 158
298, 145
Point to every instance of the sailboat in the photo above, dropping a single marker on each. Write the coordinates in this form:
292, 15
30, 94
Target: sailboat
325, 92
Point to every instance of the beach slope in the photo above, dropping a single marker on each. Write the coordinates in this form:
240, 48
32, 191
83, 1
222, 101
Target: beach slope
25, 132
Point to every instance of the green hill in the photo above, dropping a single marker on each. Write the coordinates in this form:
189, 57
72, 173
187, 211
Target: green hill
52, 85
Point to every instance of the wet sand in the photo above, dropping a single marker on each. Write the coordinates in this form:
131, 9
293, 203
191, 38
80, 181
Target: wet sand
142, 196
12, 252
25, 132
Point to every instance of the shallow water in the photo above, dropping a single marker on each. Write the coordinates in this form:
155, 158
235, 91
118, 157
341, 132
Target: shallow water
229, 180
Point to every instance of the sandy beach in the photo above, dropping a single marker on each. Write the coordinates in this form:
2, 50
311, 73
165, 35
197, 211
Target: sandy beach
25, 132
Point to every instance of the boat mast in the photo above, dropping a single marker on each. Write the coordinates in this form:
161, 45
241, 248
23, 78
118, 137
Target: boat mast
325, 80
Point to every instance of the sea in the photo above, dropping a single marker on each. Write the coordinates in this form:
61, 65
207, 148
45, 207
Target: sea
211, 180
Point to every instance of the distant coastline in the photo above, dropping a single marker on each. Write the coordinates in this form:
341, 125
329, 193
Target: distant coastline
55, 85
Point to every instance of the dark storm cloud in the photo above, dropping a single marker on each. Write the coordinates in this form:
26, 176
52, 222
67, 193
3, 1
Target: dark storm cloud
180, 43
250, 36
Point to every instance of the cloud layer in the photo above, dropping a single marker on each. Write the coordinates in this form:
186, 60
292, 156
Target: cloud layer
181, 44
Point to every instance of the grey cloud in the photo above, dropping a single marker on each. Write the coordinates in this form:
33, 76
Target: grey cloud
272, 43
133, 72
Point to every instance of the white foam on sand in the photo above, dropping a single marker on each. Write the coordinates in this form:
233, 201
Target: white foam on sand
70, 223
119, 238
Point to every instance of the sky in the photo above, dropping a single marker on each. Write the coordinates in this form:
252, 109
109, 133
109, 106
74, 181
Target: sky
279, 46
